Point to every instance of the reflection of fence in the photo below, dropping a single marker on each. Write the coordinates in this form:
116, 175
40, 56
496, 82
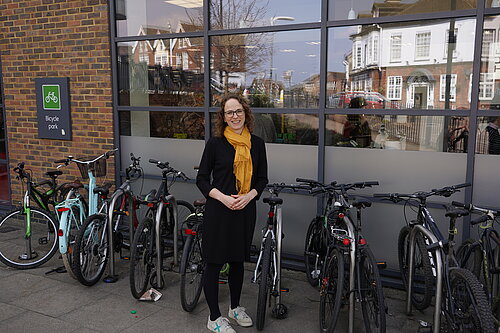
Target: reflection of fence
300, 99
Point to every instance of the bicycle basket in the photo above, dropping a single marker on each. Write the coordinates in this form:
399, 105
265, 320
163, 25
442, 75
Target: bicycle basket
98, 168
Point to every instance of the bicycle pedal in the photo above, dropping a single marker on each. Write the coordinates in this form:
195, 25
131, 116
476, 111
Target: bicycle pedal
43, 241
381, 265
424, 326
285, 290
280, 311
124, 258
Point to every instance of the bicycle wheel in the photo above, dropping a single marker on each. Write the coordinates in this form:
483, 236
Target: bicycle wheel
22, 249
313, 252
331, 289
264, 283
423, 278
91, 250
372, 302
192, 267
471, 310
470, 257
74, 226
184, 209
142, 257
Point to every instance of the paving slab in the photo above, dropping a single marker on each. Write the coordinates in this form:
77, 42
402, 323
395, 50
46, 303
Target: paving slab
30, 321
17, 286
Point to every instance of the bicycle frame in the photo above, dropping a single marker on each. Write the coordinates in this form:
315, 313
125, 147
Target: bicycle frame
65, 216
274, 221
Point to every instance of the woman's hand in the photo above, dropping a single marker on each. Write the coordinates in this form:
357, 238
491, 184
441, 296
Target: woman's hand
241, 201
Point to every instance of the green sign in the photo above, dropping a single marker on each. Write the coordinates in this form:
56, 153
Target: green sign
51, 97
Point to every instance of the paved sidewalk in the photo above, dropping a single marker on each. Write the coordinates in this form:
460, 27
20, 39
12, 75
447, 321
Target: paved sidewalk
32, 301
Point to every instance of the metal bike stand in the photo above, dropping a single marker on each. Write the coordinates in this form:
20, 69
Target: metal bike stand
439, 275
352, 277
279, 227
159, 256
112, 277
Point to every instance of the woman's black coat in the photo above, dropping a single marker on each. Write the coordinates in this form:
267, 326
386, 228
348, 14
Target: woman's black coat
227, 234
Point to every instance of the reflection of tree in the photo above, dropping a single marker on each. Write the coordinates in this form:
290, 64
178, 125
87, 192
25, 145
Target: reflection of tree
235, 53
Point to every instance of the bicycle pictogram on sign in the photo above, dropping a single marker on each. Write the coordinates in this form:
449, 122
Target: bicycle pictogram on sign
51, 97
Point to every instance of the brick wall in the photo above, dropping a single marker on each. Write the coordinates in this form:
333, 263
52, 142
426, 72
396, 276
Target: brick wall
56, 38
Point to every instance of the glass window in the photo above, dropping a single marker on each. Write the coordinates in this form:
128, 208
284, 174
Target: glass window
299, 129
161, 72
234, 14
488, 135
153, 17
399, 132
489, 81
4, 182
396, 47
163, 124
422, 45
352, 9
492, 3
452, 87
271, 69
400, 65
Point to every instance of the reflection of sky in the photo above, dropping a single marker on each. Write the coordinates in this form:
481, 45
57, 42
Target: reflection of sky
339, 45
296, 51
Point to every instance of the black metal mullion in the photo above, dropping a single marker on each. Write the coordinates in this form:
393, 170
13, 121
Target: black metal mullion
471, 146
5, 141
207, 70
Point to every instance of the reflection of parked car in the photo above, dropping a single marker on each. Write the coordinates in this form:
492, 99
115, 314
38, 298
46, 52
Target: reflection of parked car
374, 100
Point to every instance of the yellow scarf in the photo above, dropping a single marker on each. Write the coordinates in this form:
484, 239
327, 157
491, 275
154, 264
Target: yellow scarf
242, 166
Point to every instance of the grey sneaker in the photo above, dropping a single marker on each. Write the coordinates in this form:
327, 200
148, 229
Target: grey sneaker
220, 325
239, 314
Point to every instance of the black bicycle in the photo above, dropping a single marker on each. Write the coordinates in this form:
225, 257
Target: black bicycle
482, 256
192, 263
349, 272
29, 233
461, 304
153, 233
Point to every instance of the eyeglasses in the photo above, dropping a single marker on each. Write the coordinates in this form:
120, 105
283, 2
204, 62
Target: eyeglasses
230, 114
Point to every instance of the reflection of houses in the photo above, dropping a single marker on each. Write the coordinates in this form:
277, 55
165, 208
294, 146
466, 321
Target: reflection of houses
408, 64
228, 62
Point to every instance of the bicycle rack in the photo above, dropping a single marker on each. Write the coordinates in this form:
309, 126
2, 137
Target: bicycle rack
279, 233
439, 275
352, 267
112, 277
168, 200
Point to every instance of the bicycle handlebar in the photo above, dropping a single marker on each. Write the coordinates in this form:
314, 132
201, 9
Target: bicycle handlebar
445, 192
342, 187
487, 214
70, 158
165, 165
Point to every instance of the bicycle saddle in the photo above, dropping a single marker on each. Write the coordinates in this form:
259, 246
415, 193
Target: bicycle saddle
103, 190
361, 203
54, 173
200, 202
76, 185
452, 211
273, 201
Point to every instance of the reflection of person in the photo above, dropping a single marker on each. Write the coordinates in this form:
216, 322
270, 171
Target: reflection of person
264, 127
193, 125
493, 129
236, 162
356, 128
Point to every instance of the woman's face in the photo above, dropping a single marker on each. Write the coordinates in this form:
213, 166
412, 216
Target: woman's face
234, 115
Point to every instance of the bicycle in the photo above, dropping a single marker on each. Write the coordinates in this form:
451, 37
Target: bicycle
101, 234
161, 220
482, 256
74, 210
267, 271
192, 263
349, 270
460, 298
28, 234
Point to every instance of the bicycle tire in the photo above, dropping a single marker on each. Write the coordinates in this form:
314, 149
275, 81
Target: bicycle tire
74, 225
312, 250
192, 268
423, 279
472, 312
331, 289
13, 240
264, 283
474, 260
91, 250
372, 294
142, 255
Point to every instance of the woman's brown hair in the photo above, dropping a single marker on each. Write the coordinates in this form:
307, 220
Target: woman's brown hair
220, 123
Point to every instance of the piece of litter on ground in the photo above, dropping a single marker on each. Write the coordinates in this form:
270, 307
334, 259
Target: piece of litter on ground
151, 295
133, 312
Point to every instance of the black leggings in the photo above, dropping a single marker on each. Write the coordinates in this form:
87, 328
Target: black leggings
211, 286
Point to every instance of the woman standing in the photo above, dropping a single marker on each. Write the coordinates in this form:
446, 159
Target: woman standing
232, 176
